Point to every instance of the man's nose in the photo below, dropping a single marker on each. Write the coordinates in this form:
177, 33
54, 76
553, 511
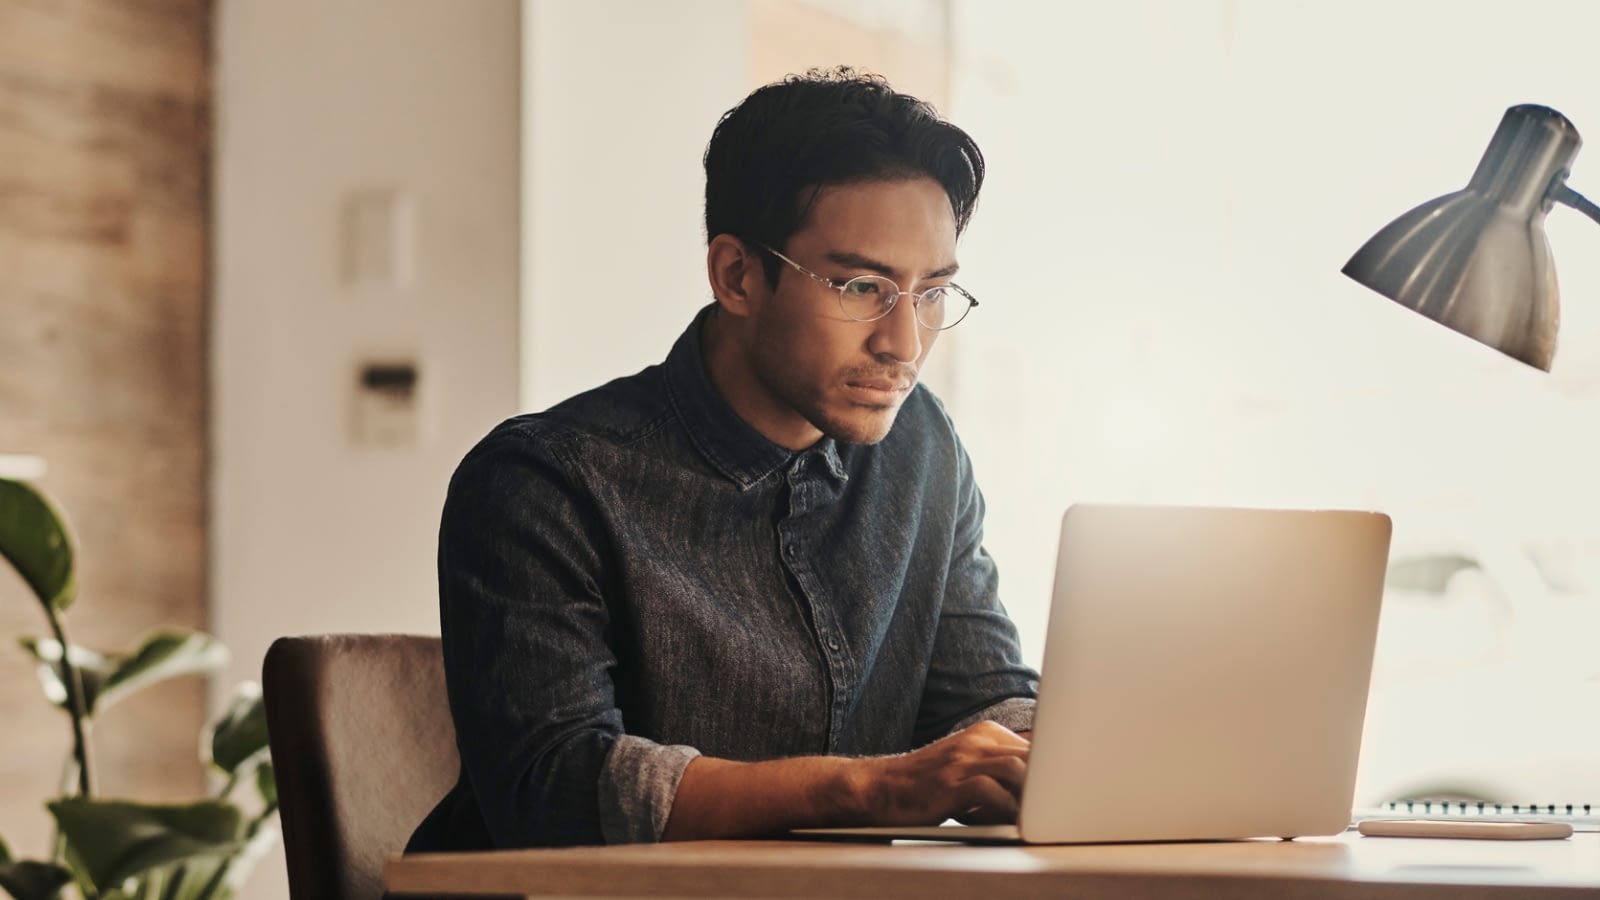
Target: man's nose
898, 335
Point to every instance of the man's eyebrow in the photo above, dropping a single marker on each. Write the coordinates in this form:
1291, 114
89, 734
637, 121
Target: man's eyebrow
857, 261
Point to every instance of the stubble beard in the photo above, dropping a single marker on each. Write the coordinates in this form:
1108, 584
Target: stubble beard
870, 425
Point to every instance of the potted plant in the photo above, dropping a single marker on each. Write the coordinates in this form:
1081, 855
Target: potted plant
106, 848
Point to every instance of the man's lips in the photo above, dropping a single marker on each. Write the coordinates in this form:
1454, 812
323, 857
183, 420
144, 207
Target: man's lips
882, 385
884, 392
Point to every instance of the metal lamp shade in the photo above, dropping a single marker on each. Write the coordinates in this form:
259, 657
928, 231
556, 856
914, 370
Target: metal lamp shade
1477, 260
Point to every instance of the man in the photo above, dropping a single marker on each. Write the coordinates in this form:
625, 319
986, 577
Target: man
745, 590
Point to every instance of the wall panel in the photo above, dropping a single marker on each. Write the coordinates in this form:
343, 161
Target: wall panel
104, 208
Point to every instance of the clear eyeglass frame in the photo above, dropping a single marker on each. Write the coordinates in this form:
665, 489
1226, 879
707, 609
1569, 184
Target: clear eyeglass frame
875, 296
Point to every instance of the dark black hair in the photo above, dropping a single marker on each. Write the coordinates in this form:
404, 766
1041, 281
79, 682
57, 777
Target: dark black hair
771, 154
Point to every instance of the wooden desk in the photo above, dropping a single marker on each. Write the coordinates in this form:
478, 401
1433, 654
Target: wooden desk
1348, 866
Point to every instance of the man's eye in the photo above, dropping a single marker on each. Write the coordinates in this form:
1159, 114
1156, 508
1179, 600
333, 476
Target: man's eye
935, 294
861, 287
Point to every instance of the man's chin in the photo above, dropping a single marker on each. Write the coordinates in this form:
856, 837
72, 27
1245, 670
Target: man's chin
863, 428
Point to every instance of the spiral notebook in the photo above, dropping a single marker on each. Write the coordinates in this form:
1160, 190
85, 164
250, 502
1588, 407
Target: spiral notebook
1581, 816
1205, 677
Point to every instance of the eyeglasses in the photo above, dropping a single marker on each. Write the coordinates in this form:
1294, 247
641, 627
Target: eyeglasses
868, 298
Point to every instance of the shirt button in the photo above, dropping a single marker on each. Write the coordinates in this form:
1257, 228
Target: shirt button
833, 644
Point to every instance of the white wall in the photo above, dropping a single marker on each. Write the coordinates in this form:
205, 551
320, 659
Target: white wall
312, 532
620, 99
1174, 188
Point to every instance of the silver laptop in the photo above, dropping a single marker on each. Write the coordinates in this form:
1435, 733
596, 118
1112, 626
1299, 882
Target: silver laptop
1205, 677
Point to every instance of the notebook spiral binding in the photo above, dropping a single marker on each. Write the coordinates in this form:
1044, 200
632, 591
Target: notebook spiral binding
1581, 816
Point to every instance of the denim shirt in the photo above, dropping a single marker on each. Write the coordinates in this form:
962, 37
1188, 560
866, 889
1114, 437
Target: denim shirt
637, 576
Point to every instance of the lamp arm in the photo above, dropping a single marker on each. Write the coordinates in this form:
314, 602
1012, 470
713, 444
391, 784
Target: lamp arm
1577, 201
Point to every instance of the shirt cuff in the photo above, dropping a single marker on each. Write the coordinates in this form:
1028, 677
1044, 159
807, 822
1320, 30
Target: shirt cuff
637, 785
1015, 713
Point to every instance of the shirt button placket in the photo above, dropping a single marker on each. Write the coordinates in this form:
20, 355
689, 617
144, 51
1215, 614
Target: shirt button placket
802, 494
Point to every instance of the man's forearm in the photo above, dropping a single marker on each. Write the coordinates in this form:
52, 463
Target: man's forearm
975, 773
721, 798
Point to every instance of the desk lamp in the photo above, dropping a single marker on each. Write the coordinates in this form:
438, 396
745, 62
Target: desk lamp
1477, 260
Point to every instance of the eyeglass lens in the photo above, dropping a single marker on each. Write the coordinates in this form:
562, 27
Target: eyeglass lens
869, 297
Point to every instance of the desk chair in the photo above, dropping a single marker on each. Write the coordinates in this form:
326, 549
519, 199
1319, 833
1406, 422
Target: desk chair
362, 746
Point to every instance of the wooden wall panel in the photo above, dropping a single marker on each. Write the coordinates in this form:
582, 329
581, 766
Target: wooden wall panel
105, 139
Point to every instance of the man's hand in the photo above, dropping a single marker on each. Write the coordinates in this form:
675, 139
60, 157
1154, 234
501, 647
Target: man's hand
974, 775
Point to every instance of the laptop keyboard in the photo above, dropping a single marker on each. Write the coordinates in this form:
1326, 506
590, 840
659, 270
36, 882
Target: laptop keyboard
1581, 816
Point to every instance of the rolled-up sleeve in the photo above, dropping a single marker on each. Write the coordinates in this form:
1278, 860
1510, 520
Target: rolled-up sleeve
1015, 713
529, 662
637, 785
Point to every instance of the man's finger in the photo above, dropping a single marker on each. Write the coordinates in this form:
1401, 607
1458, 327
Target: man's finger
1007, 771
985, 801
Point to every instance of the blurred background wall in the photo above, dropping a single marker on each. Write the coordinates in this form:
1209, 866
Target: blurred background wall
366, 219
366, 216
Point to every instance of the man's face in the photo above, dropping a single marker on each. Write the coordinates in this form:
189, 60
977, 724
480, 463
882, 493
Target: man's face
816, 370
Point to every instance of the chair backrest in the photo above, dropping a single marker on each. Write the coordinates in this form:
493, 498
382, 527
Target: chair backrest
362, 747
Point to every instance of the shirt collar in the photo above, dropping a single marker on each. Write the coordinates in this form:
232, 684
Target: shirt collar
737, 450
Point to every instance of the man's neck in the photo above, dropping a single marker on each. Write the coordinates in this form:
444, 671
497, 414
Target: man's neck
732, 375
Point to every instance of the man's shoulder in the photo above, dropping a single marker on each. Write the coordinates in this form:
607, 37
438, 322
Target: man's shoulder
616, 413
590, 436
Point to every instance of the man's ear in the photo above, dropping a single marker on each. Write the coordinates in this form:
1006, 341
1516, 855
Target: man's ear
738, 280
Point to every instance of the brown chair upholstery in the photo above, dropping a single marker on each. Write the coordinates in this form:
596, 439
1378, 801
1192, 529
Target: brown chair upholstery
362, 746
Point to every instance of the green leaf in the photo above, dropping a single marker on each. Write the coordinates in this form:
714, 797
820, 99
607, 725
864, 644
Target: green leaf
267, 784
35, 540
244, 862
195, 879
210, 878
92, 669
115, 840
108, 678
29, 880
239, 738
164, 655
